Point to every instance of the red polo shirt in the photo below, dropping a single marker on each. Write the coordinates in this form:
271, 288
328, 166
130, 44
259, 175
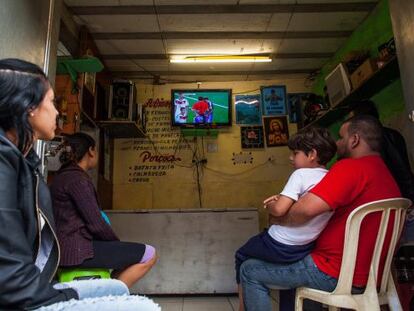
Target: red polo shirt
349, 184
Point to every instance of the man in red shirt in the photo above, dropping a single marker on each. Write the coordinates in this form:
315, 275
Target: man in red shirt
358, 178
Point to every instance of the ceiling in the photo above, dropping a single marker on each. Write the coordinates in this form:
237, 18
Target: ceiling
138, 37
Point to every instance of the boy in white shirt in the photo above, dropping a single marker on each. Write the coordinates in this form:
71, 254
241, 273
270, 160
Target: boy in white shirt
310, 152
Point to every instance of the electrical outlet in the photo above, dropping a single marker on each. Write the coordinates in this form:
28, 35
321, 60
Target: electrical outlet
212, 147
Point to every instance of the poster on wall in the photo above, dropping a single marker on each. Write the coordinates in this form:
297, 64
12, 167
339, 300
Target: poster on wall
251, 137
295, 109
276, 131
248, 110
273, 99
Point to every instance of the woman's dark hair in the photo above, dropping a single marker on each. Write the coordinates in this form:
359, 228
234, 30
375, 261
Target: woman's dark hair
314, 138
23, 86
79, 144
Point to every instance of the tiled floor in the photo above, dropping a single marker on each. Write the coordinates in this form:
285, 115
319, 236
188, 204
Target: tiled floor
202, 303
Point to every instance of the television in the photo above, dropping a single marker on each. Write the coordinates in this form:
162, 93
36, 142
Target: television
204, 108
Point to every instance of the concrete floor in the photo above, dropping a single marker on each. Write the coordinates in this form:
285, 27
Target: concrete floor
203, 303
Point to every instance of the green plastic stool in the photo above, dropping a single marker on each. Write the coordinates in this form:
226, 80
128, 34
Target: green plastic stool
73, 274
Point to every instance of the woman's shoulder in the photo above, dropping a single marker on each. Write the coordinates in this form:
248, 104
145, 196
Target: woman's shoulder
71, 175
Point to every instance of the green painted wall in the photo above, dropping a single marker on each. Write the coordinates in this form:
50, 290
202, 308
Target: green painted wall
374, 31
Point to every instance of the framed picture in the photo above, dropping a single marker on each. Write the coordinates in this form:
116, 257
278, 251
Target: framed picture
248, 110
90, 81
251, 137
273, 100
295, 106
276, 130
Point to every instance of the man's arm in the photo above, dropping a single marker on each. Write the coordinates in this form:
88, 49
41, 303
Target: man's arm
306, 208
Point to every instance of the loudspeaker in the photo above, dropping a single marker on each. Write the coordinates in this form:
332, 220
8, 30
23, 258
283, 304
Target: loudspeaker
338, 85
122, 105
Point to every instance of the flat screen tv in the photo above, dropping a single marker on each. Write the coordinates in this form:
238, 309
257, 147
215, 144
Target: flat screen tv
204, 108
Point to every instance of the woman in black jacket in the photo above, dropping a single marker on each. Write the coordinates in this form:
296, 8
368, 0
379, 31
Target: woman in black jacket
29, 251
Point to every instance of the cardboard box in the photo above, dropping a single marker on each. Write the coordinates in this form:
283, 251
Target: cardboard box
363, 72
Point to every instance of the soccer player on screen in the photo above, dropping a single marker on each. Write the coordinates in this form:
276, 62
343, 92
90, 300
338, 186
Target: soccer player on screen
182, 117
179, 103
200, 108
209, 112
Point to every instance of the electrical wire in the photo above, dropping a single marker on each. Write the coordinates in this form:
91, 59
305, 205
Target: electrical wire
237, 174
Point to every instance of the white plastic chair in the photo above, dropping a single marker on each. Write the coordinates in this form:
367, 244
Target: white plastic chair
371, 299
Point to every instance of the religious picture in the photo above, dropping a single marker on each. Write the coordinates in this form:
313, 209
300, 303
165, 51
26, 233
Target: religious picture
276, 131
251, 137
273, 100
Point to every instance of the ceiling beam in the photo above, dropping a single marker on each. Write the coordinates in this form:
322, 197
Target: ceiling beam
223, 9
164, 56
220, 35
144, 74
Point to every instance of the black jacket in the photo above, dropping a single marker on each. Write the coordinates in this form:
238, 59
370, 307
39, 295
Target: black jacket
22, 285
394, 153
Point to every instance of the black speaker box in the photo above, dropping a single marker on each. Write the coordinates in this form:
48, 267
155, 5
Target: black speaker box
122, 105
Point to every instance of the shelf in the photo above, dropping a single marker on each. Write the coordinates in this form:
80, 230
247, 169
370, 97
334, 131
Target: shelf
199, 132
66, 65
378, 81
122, 129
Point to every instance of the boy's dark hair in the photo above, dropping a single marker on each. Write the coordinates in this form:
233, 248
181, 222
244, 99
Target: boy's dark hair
314, 138
368, 128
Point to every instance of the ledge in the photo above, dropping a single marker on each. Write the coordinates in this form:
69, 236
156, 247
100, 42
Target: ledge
192, 132
122, 129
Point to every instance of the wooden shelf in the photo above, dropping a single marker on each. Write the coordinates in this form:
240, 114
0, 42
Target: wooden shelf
379, 80
122, 129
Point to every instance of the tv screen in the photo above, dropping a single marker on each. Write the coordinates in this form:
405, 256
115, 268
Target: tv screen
201, 108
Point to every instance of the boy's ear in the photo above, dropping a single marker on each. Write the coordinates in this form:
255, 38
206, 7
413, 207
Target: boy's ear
313, 154
90, 151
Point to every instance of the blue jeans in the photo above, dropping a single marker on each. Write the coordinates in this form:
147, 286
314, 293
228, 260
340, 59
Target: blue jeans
101, 295
262, 246
256, 275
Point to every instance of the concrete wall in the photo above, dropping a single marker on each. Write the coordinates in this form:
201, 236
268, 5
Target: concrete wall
402, 15
27, 30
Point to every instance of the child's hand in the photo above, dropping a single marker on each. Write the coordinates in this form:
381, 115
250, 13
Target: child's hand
270, 200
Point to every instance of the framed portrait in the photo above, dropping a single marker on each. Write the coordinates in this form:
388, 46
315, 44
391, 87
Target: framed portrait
276, 131
248, 110
273, 100
251, 137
